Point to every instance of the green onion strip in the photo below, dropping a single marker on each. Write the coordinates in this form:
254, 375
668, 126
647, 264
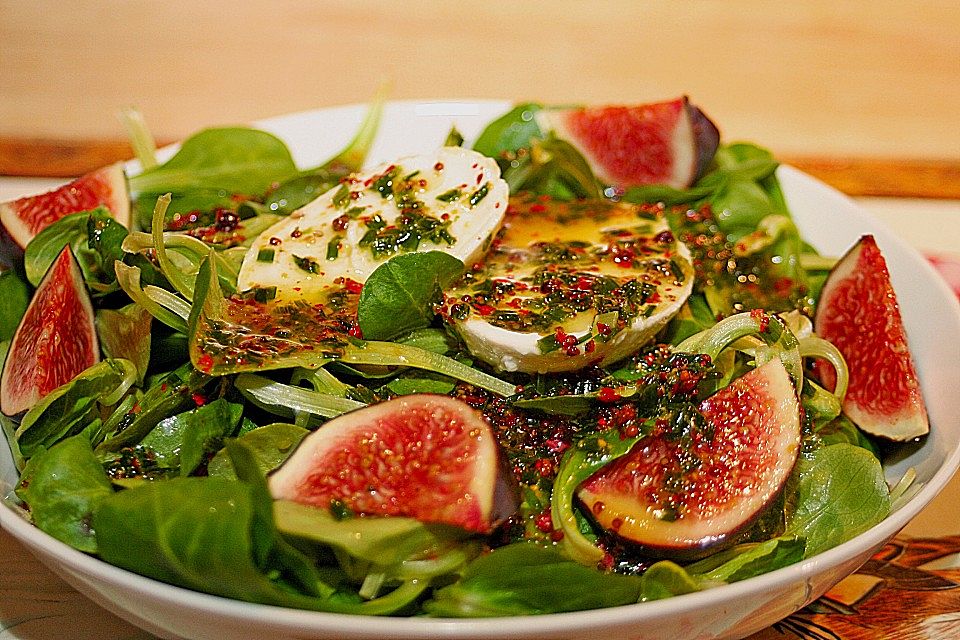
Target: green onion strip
129, 279
816, 347
285, 399
394, 354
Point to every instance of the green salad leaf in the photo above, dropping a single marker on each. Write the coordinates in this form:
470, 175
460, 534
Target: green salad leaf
95, 238
841, 494
230, 159
510, 132
71, 407
64, 486
126, 333
270, 445
399, 296
15, 294
526, 579
185, 439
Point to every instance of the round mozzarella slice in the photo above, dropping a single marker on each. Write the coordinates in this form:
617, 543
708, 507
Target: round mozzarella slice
568, 285
453, 200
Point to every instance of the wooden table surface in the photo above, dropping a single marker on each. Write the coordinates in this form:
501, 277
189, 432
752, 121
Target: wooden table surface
860, 78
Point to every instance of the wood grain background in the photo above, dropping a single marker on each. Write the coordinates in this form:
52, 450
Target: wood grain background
863, 93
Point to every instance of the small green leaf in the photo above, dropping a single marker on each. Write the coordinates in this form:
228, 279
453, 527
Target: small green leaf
666, 579
383, 542
270, 446
421, 383
69, 408
184, 439
431, 339
841, 494
510, 132
63, 486
237, 160
525, 579
748, 560
125, 333
400, 294
16, 298
568, 405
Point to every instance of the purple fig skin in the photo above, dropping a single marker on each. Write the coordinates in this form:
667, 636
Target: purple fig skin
705, 547
506, 493
11, 253
706, 138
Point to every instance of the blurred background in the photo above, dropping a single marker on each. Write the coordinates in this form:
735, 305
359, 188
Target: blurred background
858, 78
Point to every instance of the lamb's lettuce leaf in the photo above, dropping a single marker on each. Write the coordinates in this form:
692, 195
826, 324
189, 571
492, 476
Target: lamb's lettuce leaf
15, 294
64, 486
95, 239
841, 493
270, 445
126, 333
71, 407
184, 440
400, 294
526, 579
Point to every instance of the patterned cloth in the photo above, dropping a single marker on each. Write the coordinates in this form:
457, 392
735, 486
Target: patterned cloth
910, 590
949, 267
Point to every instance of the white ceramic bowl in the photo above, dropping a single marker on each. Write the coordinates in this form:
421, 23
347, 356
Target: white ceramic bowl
830, 221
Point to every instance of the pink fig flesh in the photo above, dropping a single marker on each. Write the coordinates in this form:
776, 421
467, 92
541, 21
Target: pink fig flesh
24, 218
667, 143
55, 341
685, 497
858, 312
427, 457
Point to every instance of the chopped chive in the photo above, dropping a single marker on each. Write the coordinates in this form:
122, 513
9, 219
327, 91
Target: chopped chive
450, 196
384, 184
333, 248
265, 255
307, 264
479, 195
341, 197
264, 294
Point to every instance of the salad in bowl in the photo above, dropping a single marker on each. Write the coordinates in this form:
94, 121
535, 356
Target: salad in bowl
568, 365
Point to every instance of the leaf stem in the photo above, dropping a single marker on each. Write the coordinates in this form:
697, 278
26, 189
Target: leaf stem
394, 354
144, 146
170, 271
285, 399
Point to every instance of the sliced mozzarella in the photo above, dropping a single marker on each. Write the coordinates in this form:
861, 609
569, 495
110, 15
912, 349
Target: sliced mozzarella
571, 284
453, 200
